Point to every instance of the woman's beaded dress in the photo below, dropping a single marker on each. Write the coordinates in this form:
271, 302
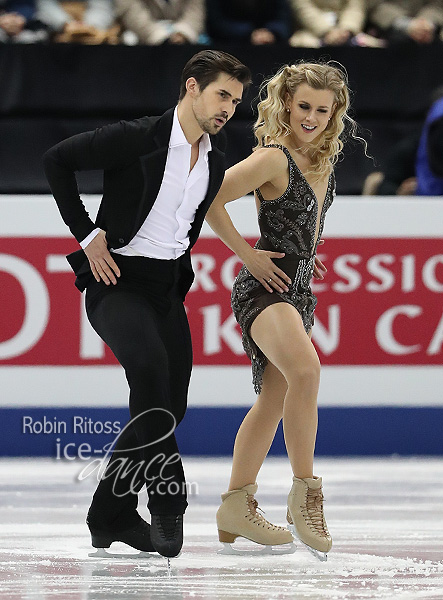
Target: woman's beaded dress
287, 224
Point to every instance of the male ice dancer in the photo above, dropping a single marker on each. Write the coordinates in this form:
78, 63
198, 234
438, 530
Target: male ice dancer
160, 176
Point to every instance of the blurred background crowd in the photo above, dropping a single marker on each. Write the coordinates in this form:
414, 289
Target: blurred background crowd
52, 87
299, 23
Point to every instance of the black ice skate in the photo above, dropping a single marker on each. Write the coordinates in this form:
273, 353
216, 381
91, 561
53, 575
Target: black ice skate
138, 537
167, 534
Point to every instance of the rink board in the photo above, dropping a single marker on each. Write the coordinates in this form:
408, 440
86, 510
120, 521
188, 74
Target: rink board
378, 332
343, 431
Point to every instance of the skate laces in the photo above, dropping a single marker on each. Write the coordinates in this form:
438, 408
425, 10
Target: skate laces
314, 509
168, 525
256, 516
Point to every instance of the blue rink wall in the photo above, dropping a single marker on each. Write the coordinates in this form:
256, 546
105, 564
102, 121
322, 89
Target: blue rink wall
211, 431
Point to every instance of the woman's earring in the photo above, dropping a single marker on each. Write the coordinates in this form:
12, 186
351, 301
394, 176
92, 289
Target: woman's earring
287, 110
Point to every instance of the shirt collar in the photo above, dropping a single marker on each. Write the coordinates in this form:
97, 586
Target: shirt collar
178, 137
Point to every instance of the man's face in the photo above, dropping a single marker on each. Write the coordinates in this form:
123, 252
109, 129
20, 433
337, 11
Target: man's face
216, 104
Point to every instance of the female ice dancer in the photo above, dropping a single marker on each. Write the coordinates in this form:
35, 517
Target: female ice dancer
301, 121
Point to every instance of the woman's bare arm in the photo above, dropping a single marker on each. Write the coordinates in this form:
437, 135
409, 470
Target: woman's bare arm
262, 166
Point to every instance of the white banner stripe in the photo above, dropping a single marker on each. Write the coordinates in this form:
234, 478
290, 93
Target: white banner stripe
101, 386
349, 216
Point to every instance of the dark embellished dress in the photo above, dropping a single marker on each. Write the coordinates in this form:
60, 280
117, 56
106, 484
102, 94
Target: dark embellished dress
287, 224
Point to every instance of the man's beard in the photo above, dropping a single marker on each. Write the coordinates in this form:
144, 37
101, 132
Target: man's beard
208, 125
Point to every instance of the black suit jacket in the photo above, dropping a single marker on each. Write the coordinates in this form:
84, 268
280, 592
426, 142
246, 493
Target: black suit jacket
132, 155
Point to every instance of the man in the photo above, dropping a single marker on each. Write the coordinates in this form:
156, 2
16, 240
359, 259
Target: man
160, 176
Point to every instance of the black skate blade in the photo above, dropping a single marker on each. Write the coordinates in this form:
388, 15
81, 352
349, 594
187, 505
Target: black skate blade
228, 549
102, 553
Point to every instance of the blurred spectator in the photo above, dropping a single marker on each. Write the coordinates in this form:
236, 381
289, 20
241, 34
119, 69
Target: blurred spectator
18, 23
415, 164
256, 21
429, 165
86, 22
398, 176
400, 20
158, 21
329, 22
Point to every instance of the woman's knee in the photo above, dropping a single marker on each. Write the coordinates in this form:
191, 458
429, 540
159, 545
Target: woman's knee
270, 405
273, 391
304, 376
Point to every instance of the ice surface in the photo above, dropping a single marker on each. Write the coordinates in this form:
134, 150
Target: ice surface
385, 516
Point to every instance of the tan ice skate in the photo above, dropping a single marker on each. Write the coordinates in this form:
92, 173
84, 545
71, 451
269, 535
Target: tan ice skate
238, 516
305, 512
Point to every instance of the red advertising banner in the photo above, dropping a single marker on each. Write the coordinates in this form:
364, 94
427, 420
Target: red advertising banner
379, 304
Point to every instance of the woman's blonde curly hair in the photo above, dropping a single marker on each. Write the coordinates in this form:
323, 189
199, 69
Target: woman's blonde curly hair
273, 119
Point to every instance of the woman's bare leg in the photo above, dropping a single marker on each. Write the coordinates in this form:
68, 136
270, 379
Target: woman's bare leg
254, 438
278, 331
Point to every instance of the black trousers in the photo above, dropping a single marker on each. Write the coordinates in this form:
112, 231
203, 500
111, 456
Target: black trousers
142, 319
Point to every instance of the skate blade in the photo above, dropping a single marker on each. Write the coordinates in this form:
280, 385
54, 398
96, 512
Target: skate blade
228, 549
102, 553
321, 556
169, 562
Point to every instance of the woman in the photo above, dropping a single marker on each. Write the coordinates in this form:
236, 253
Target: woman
298, 131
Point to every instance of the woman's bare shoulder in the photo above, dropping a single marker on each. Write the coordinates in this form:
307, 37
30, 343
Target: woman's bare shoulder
275, 157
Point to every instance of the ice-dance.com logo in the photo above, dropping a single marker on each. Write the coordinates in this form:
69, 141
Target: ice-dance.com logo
131, 462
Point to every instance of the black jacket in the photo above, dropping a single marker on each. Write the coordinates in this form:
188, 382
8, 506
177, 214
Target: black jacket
133, 156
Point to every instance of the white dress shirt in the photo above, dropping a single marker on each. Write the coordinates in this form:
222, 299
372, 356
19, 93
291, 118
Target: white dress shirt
165, 231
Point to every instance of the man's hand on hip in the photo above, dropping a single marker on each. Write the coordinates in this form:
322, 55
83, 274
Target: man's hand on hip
102, 264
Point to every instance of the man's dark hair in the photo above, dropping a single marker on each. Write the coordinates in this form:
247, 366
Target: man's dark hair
206, 66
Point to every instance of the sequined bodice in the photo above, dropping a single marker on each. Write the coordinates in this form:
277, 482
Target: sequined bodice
288, 224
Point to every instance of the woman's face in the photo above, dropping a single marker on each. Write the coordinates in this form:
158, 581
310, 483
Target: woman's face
310, 110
